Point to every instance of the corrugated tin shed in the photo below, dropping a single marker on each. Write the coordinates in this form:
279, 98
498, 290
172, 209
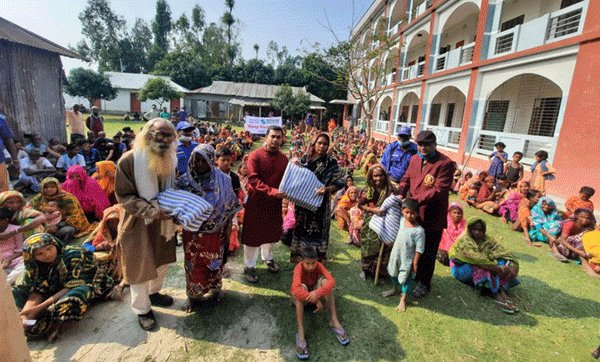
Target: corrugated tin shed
15, 34
249, 90
136, 80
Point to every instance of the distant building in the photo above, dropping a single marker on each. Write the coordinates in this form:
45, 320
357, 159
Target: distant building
230, 100
477, 72
32, 78
128, 86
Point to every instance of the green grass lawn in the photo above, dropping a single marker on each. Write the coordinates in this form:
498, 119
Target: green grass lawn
559, 321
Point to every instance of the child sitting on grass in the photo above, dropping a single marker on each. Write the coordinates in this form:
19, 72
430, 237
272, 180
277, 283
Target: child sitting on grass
407, 250
581, 201
312, 283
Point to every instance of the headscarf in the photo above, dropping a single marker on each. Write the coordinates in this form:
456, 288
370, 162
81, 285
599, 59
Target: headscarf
24, 213
539, 217
371, 189
41, 277
214, 186
478, 252
67, 204
105, 175
452, 231
345, 202
87, 191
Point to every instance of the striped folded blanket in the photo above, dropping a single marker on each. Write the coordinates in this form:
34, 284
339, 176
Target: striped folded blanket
387, 225
188, 209
300, 186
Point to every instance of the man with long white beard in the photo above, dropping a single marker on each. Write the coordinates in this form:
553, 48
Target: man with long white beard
146, 236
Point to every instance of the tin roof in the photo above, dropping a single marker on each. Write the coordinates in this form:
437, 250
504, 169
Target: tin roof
249, 90
137, 80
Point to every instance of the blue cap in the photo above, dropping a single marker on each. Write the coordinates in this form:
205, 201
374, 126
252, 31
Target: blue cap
183, 125
404, 131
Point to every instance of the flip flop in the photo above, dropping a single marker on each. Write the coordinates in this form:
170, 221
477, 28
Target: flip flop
341, 336
505, 307
513, 305
301, 349
559, 257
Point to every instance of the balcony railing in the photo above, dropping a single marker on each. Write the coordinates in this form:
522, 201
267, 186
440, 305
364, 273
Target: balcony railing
398, 125
414, 71
454, 58
446, 136
382, 126
388, 79
525, 143
545, 29
415, 12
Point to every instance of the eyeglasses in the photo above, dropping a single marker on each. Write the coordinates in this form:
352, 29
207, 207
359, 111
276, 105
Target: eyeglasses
162, 135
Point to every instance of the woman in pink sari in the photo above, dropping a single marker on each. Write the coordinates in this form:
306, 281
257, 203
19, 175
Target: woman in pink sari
509, 207
88, 192
456, 226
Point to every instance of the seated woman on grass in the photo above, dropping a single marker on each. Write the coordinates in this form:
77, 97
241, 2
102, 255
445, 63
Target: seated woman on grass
313, 284
479, 261
570, 245
91, 197
591, 246
58, 285
523, 222
455, 227
342, 210
546, 224
30, 220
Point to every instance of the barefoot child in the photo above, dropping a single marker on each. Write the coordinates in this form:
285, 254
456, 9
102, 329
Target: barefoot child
313, 284
498, 158
408, 248
514, 169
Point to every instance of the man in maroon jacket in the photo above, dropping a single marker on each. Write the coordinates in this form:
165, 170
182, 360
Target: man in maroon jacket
428, 180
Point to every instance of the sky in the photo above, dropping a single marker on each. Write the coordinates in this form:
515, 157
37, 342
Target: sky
297, 24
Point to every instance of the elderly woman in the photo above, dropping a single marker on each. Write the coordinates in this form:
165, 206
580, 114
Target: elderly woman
569, 244
58, 285
377, 190
91, 197
105, 175
312, 228
204, 249
481, 262
73, 221
29, 219
546, 223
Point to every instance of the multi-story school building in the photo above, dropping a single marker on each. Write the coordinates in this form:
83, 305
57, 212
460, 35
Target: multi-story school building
477, 72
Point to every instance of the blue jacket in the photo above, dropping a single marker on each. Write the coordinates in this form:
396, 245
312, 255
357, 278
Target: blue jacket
395, 160
183, 156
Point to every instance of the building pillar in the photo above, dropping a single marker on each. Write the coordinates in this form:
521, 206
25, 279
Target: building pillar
469, 118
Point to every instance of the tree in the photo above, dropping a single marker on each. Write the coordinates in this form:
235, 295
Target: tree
90, 85
184, 68
158, 89
291, 104
141, 42
256, 47
214, 48
161, 27
103, 30
198, 19
229, 20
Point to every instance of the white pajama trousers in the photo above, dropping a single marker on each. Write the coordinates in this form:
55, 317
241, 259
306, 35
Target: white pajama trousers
140, 293
251, 254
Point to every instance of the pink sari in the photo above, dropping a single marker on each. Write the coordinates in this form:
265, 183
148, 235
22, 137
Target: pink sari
88, 192
452, 231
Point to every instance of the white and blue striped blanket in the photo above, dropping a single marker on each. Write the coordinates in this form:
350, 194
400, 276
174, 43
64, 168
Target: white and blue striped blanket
300, 186
188, 209
387, 225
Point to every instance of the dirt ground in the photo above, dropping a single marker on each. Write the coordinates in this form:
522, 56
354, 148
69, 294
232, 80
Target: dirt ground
110, 332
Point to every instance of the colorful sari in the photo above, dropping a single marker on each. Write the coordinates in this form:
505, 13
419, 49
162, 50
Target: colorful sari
468, 253
591, 245
74, 269
67, 204
509, 207
550, 222
312, 228
105, 175
450, 234
24, 214
204, 249
91, 197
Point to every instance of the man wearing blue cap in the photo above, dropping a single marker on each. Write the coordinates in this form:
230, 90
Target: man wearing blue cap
185, 146
397, 155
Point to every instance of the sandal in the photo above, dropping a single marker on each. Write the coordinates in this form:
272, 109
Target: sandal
420, 291
250, 275
505, 307
513, 305
301, 349
272, 266
341, 336
560, 257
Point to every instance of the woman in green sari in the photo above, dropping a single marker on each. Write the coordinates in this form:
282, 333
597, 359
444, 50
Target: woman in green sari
58, 286
377, 190
481, 262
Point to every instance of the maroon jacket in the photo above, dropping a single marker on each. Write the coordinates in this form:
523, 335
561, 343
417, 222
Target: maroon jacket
430, 185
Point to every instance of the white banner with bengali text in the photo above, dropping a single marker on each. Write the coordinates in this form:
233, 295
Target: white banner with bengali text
259, 125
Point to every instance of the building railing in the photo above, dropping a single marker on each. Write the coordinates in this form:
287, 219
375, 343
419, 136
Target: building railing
382, 126
454, 58
394, 29
525, 143
388, 79
539, 31
413, 71
446, 136
416, 11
